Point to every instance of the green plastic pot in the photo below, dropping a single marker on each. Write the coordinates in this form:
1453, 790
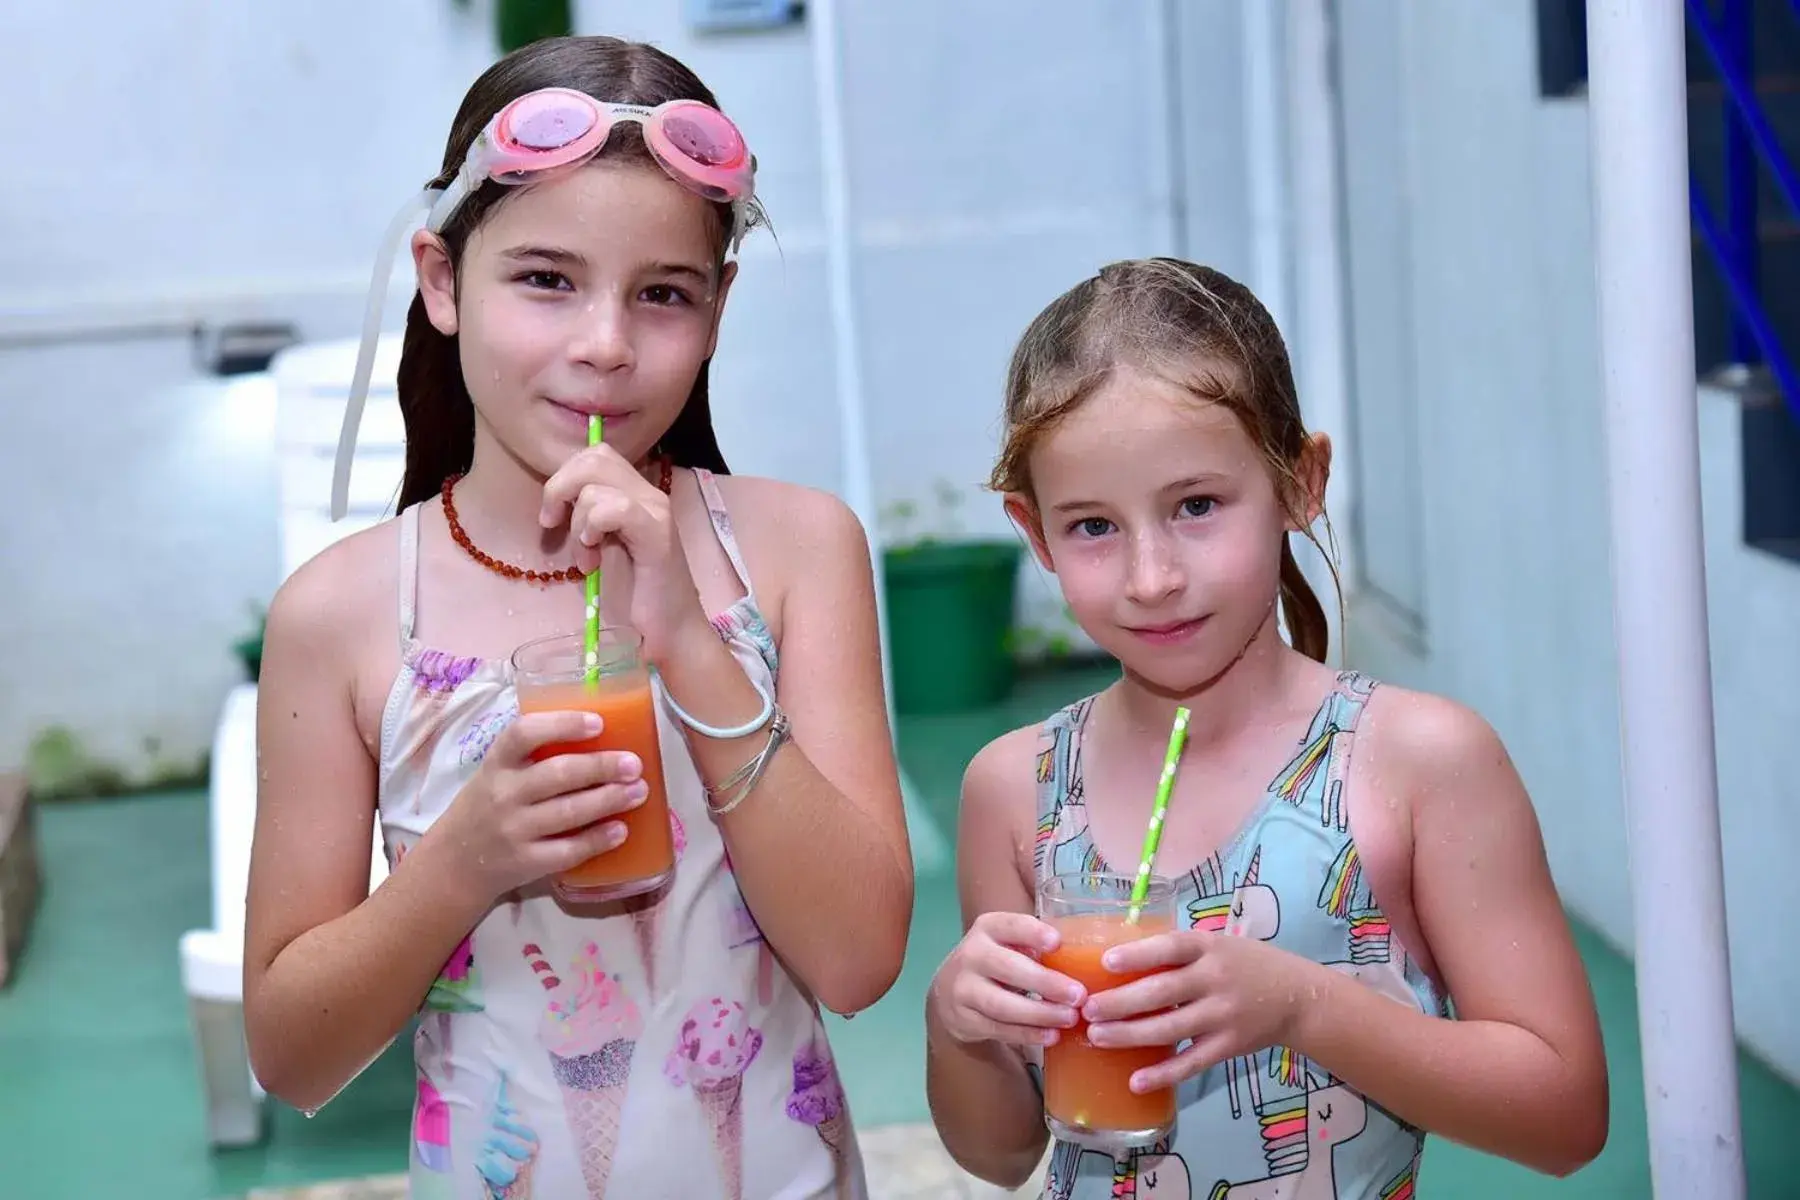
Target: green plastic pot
519, 23
950, 616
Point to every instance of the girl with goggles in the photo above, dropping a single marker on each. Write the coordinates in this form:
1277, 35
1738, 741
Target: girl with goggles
658, 1033
538, 136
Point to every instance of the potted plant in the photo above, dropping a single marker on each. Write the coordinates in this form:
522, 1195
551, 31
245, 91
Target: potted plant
1051, 638
950, 606
249, 649
521, 22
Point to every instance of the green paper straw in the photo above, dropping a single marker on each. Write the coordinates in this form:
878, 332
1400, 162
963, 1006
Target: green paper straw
1140, 887
590, 658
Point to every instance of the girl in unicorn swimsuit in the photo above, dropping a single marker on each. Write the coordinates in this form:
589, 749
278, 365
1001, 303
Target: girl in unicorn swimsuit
1370, 947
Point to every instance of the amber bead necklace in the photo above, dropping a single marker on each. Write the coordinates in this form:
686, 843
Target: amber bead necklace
565, 575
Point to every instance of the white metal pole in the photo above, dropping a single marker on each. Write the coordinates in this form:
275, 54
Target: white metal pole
840, 252
1169, 170
1264, 150
1321, 358
1637, 97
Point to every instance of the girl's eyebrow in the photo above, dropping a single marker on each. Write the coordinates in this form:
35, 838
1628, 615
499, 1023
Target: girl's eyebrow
1204, 479
574, 260
544, 254
1207, 479
698, 274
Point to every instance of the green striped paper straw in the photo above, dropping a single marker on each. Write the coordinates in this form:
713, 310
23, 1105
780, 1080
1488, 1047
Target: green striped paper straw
1140, 887
590, 645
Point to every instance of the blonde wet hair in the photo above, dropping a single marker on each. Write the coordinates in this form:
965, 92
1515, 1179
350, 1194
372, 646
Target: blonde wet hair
1203, 332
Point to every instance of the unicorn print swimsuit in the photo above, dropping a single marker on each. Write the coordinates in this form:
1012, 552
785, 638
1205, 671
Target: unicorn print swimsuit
1271, 1125
659, 1053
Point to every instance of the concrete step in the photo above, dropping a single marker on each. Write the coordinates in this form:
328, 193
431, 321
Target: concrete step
904, 1162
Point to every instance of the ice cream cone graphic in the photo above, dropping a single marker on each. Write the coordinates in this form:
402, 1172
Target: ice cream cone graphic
646, 925
431, 1127
741, 930
590, 1030
457, 989
720, 1099
717, 1043
818, 1100
519, 1188
509, 1155
647, 917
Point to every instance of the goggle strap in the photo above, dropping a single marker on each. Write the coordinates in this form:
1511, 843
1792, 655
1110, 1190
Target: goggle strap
373, 311
439, 214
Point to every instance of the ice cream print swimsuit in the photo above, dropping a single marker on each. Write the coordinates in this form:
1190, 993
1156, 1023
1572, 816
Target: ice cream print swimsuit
661, 1052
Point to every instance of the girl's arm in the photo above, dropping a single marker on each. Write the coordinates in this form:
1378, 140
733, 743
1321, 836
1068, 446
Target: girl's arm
1522, 1072
329, 979
983, 1102
819, 847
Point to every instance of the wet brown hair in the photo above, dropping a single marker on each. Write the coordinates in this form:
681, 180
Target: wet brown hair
1200, 330
434, 400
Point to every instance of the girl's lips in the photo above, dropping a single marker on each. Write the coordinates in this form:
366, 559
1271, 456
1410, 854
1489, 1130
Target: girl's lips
1163, 635
581, 413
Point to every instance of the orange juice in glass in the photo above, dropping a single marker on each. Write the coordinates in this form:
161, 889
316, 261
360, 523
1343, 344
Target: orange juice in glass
551, 675
1087, 1089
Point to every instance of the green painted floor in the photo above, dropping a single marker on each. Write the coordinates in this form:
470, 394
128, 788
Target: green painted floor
99, 1096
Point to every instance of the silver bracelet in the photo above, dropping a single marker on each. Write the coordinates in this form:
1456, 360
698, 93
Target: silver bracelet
743, 781
727, 733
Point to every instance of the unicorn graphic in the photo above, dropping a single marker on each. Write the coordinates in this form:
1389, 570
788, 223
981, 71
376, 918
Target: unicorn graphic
1316, 775
1061, 832
1299, 1135
1068, 821
1154, 1174
1250, 909
1346, 895
1065, 1163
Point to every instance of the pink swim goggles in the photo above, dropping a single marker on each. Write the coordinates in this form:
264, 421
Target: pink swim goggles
695, 143
554, 130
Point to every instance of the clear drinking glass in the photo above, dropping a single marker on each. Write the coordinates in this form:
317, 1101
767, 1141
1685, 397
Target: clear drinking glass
551, 676
1087, 1089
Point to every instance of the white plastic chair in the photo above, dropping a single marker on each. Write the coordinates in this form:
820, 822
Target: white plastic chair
311, 385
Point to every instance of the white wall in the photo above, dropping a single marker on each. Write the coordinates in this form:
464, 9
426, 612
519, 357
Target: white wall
1480, 231
1753, 599
997, 154
204, 162
243, 160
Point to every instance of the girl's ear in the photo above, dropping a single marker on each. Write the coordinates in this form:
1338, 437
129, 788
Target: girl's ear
437, 281
1024, 514
1313, 472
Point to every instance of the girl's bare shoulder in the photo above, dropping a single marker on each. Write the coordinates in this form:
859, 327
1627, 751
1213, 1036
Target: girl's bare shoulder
1425, 741
794, 537
340, 611
341, 590
791, 519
